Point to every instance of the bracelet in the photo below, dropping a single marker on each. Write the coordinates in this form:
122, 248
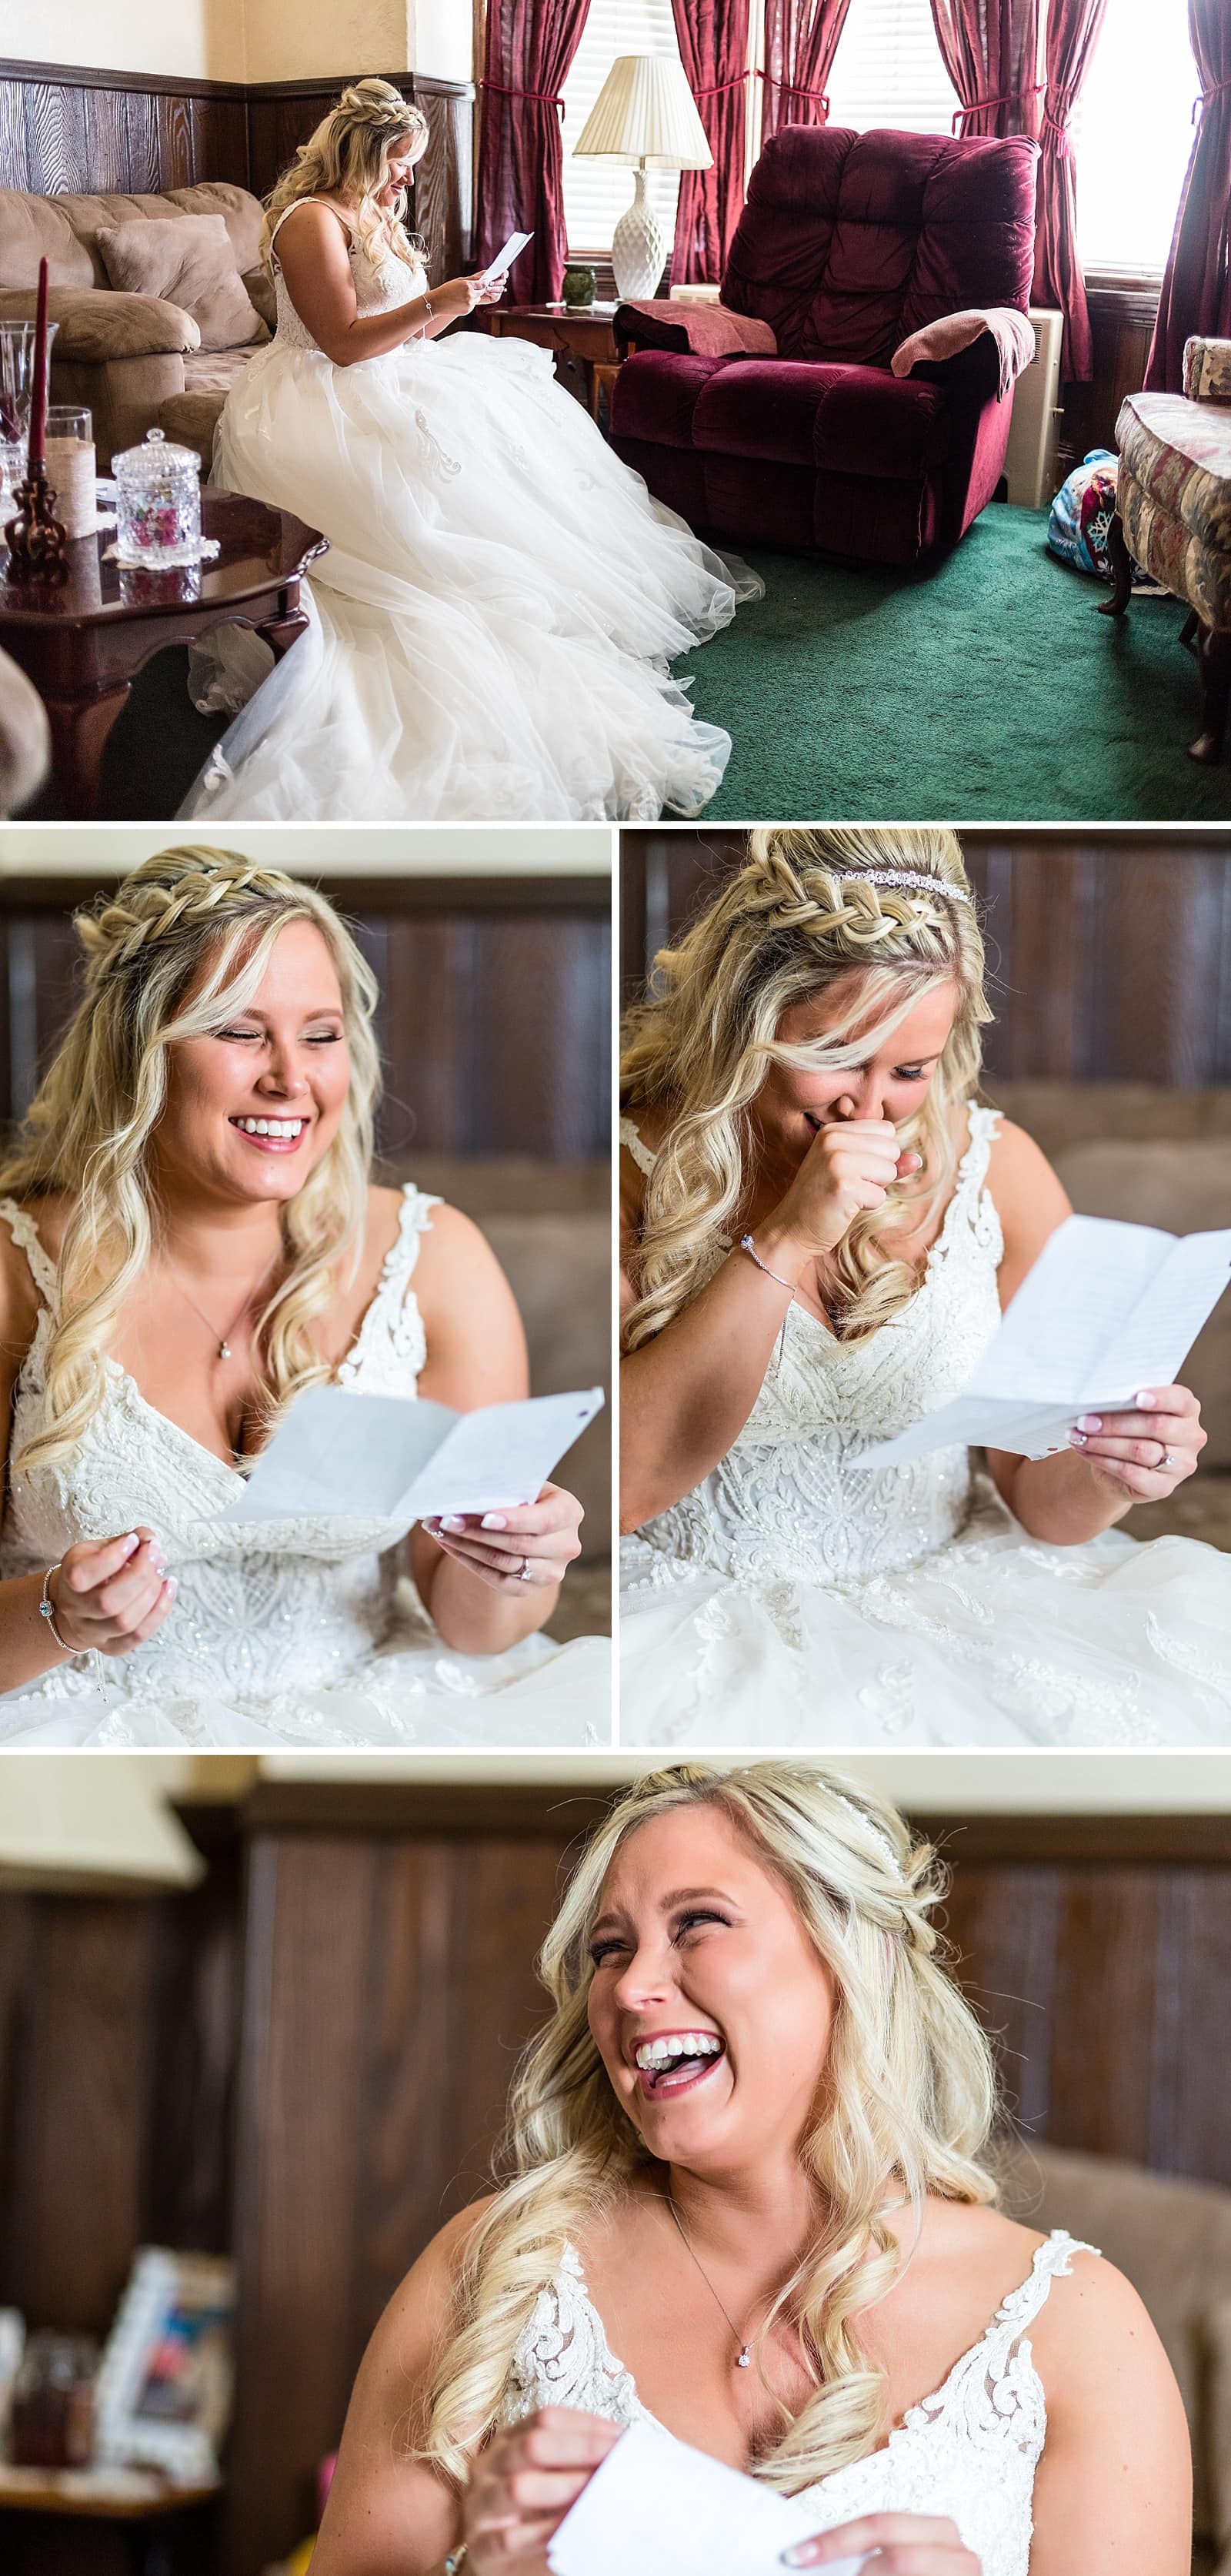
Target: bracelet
747, 1245
455, 2560
431, 318
46, 1610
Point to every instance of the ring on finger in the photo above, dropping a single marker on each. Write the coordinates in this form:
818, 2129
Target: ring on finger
1166, 1459
523, 1571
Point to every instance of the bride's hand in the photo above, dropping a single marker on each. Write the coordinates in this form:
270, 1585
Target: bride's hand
901, 2544
463, 293
524, 2484
542, 1536
850, 1165
110, 1594
1149, 1451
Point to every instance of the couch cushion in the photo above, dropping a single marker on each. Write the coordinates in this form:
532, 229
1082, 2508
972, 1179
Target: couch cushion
34, 228
93, 326
838, 418
63, 228
655, 396
214, 371
241, 212
189, 260
849, 242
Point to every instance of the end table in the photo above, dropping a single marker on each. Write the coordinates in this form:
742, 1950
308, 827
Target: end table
83, 642
584, 341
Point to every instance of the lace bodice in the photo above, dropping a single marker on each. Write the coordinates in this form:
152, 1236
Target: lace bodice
261, 1606
970, 2450
787, 1503
380, 283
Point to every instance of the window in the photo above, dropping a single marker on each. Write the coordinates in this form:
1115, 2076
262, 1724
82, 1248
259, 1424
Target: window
1132, 134
597, 192
888, 69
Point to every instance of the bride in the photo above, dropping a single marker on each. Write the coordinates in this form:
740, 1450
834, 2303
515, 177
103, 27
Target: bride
821, 1227
756, 2123
188, 1236
494, 620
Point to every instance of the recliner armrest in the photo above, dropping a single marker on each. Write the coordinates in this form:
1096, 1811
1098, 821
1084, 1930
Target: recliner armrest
699, 330
97, 323
972, 371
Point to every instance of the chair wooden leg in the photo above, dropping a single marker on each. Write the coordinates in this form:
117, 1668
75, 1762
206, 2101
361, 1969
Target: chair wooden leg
1189, 627
1122, 569
1214, 658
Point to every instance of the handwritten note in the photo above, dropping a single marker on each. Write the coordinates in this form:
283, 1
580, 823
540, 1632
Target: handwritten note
386, 1457
662, 2509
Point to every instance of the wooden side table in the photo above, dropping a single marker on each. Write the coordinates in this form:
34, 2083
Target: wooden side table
82, 643
583, 339
74, 2522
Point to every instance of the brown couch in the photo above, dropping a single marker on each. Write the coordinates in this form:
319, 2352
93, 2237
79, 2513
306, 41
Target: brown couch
135, 359
1172, 2240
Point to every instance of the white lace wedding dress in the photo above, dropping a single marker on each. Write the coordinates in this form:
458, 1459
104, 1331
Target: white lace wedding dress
970, 2450
299, 1633
493, 622
794, 1598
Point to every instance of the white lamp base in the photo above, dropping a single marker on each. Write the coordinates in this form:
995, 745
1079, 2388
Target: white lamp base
638, 247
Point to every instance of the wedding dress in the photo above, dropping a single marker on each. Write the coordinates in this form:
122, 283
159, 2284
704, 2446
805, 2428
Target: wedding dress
794, 1598
286, 1633
493, 622
970, 2450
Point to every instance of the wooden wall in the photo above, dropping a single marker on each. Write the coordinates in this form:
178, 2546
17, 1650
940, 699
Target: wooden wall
1109, 953
68, 129
493, 1025
366, 2017
1121, 329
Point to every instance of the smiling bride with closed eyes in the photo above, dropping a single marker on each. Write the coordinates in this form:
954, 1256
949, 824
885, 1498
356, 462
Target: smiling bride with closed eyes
748, 2156
189, 1234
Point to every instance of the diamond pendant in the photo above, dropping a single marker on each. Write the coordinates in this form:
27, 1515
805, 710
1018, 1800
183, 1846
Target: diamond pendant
744, 2360
224, 1350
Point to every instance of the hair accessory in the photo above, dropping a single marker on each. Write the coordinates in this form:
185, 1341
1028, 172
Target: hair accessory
869, 1827
904, 877
747, 1245
46, 1610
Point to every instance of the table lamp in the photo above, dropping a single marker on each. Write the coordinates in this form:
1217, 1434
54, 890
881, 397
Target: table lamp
645, 114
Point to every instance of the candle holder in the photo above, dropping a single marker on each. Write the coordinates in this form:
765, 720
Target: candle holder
37, 540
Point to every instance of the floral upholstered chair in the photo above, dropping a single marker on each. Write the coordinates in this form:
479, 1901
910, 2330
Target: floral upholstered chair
1173, 515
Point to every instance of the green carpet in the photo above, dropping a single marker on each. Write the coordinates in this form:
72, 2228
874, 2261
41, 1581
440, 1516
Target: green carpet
989, 690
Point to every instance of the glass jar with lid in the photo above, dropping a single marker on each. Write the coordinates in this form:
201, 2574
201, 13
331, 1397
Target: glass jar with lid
159, 502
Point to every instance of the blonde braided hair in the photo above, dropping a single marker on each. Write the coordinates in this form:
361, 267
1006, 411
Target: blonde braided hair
189, 917
348, 157
905, 2106
810, 910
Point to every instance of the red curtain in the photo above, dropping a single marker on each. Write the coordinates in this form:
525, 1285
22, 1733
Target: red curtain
990, 50
801, 39
1196, 292
713, 42
530, 45
1072, 27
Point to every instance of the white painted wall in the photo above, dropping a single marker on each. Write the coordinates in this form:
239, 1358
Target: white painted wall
200, 39
255, 40
322, 849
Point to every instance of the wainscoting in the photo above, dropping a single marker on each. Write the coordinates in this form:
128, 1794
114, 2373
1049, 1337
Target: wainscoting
493, 1012
1109, 953
67, 129
307, 2058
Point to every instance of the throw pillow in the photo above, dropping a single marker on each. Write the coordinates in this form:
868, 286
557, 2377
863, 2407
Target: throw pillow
189, 260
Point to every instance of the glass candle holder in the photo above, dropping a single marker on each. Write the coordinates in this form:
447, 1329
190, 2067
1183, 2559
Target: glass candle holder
159, 503
72, 468
52, 2421
17, 378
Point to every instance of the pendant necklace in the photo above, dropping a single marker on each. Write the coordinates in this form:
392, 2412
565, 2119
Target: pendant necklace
743, 2358
223, 1340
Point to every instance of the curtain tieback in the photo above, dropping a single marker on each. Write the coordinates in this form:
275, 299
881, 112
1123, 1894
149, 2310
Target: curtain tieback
1008, 98
793, 89
1059, 126
1215, 90
722, 88
538, 97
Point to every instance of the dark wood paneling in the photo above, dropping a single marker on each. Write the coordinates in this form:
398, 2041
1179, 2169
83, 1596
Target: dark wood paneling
494, 1017
1121, 329
1109, 954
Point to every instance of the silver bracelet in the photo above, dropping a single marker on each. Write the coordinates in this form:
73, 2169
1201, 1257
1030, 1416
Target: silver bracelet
456, 2560
431, 318
747, 1245
46, 1610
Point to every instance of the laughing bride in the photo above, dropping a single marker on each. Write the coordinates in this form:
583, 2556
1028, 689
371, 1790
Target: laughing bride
188, 1236
493, 624
822, 1223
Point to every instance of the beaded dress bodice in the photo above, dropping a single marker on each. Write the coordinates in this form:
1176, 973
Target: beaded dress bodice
788, 1502
382, 281
261, 1606
970, 2450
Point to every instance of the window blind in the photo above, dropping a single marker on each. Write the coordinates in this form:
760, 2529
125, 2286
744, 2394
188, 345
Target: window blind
888, 70
597, 192
1130, 172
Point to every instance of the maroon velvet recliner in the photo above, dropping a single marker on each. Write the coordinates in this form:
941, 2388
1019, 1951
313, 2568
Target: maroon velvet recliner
774, 417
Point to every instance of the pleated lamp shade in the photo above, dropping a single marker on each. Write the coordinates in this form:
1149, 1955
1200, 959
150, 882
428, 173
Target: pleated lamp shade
645, 113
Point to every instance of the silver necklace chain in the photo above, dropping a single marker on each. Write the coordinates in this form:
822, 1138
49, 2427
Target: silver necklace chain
743, 2358
223, 1340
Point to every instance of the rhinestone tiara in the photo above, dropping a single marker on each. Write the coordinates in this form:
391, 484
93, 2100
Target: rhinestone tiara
904, 877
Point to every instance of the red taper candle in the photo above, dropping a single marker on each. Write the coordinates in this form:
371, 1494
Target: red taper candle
38, 400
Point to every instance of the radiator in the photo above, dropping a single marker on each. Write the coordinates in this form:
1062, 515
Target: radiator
1034, 435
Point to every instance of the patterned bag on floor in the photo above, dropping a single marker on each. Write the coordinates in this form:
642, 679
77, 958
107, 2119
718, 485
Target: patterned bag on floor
1081, 516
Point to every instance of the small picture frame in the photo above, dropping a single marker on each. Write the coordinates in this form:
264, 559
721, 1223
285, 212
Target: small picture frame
163, 2397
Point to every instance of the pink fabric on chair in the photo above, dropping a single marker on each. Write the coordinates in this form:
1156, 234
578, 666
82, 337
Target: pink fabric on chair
937, 341
665, 322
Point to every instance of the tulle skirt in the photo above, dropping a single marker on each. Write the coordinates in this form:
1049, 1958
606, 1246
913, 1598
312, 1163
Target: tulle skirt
492, 626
